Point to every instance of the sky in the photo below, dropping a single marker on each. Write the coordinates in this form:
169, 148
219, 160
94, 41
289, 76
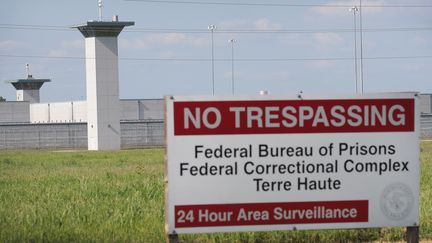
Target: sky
283, 47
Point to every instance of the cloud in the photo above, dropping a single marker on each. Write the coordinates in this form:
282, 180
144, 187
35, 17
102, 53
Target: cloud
419, 40
73, 44
328, 39
342, 6
257, 24
152, 40
297, 40
266, 24
66, 48
235, 24
173, 38
200, 41
58, 53
11, 45
169, 39
167, 54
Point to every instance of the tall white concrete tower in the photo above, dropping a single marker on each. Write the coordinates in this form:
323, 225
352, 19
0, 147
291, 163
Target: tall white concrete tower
102, 82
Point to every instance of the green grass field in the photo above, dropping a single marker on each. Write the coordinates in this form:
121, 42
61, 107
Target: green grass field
119, 196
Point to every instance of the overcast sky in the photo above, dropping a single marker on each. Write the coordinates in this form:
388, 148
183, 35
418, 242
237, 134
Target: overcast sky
281, 47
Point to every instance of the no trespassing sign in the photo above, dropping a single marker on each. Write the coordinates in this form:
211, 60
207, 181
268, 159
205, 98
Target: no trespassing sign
278, 163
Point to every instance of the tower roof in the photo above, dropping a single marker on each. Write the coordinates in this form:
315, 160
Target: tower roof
28, 83
102, 28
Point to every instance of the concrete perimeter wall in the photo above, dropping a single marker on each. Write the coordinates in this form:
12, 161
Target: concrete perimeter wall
74, 135
40, 136
134, 134
14, 112
76, 111
426, 103
59, 112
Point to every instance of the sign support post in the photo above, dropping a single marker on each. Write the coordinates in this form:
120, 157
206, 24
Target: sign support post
172, 238
412, 234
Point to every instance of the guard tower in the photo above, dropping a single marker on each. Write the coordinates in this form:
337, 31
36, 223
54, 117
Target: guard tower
102, 81
28, 89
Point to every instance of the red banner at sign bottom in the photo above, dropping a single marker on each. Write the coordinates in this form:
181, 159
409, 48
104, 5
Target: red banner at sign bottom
316, 212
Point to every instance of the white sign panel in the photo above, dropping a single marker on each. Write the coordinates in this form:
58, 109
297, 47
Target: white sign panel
278, 163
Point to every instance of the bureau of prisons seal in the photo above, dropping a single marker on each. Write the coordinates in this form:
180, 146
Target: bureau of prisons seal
396, 201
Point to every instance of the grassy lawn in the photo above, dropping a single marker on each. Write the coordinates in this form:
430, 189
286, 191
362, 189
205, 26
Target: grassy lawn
119, 196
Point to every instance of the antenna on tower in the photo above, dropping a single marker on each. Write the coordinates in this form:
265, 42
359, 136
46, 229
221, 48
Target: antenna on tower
28, 70
100, 4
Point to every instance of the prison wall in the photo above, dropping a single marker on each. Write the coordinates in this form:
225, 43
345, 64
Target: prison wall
14, 112
136, 134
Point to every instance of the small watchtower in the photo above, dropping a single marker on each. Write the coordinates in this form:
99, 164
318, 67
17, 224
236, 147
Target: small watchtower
28, 88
